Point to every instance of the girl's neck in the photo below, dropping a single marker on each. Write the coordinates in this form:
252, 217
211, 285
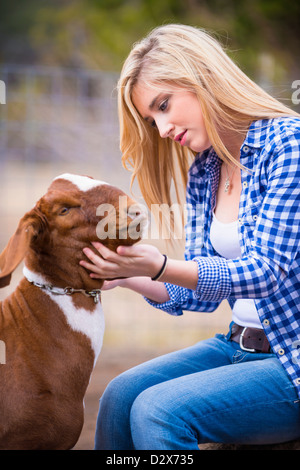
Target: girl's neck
233, 140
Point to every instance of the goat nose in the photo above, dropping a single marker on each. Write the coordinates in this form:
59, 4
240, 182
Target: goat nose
136, 211
138, 227
133, 215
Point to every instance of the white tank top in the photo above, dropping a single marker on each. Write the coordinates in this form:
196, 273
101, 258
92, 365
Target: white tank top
224, 238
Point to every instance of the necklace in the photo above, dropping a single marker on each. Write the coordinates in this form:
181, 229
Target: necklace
228, 180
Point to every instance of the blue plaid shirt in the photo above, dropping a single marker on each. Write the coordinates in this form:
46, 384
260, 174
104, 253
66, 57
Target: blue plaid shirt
268, 270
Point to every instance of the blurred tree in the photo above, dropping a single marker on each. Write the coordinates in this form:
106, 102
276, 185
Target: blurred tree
99, 33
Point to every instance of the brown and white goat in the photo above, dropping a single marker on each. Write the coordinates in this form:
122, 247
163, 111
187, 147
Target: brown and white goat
52, 325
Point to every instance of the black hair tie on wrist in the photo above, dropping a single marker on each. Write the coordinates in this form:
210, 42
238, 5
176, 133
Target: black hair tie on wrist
162, 269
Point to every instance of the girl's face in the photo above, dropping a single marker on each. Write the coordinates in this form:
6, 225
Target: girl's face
176, 113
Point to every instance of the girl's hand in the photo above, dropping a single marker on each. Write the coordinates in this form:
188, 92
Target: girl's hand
129, 261
108, 285
155, 291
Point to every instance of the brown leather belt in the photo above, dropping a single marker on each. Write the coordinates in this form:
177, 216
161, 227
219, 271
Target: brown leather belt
250, 339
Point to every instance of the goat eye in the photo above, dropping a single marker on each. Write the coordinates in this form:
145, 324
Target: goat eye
64, 211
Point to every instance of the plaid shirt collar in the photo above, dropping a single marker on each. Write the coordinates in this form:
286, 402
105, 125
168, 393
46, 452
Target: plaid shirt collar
255, 138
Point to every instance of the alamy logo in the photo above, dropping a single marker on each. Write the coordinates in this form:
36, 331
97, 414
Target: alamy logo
296, 93
2, 353
2, 92
114, 221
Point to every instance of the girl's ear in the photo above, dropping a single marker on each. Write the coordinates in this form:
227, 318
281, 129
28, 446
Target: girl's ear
29, 226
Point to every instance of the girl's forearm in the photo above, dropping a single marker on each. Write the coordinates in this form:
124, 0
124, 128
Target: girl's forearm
181, 273
153, 290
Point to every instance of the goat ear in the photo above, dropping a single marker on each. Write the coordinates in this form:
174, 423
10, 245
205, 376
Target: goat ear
18, 245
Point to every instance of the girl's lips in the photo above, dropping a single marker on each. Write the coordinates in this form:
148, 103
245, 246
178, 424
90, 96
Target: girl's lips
181, 138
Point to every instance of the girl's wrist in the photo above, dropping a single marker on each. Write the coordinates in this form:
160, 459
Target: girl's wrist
161, 270
181, 273
124, 282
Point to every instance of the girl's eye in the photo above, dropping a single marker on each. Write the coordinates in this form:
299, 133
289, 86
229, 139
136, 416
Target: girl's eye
163, 105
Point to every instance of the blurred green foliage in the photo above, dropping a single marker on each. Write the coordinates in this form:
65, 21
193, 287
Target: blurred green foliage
99, 33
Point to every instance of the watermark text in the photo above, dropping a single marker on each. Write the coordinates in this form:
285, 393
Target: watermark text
2, 352
2, 92
296, 93
164, 221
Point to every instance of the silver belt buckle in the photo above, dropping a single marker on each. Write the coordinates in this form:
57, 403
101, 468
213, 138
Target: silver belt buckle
241, 342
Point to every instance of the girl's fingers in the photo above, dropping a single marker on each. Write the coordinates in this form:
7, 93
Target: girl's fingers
91, 267
96, 259
128, 250
107, 285
105, 252
99, 266
137, 260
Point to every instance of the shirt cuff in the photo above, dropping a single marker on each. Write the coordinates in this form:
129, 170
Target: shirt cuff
214, 280
178, 295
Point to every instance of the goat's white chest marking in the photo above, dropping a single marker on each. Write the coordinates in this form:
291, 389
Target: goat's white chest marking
91, 324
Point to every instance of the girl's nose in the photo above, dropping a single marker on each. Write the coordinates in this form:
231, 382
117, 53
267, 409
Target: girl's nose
164, 129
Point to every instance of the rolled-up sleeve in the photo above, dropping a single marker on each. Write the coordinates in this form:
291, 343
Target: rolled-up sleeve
182, 299
214, 283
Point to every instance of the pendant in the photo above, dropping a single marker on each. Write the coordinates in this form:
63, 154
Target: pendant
227, 185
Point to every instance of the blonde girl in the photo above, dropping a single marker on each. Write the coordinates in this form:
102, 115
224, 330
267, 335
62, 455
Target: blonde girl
189, 117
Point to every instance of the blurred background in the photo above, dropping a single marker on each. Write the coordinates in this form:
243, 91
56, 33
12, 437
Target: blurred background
60, 61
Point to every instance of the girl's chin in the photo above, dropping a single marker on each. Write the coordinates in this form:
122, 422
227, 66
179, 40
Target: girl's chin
199, 148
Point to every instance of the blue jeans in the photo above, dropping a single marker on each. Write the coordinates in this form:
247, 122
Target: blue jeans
210, 392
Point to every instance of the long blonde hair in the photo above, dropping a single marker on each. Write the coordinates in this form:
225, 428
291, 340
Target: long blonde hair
191, 58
